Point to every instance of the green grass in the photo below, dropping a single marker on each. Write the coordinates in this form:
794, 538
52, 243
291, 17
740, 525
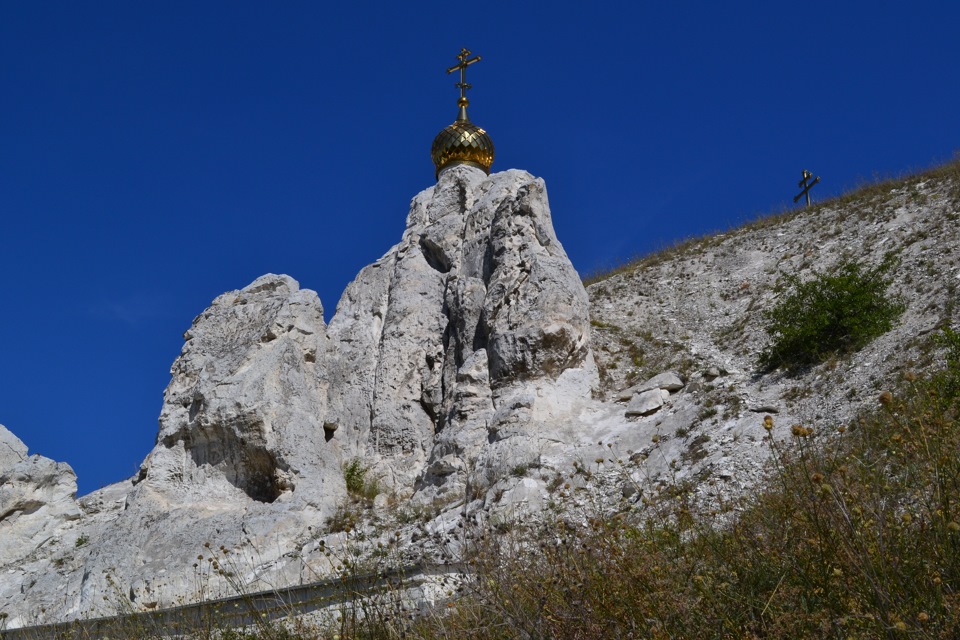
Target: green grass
359, 485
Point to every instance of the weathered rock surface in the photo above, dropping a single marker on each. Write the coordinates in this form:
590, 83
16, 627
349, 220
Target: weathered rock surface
667, 381
243, 415
241, 459
36, 499
698, 310
442, 340
450, 360
37, 511
646, 402
460, 370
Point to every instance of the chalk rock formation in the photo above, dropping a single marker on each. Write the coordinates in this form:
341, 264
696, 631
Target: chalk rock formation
36, 499
241, 457
460, 354
37, 510
458, 368
244, 412
446, 339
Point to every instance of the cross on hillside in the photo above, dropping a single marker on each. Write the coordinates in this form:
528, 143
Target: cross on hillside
805, 187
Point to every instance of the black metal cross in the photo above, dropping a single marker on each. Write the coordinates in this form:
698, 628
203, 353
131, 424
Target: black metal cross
805, 188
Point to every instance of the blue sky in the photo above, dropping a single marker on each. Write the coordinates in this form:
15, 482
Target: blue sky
154, 155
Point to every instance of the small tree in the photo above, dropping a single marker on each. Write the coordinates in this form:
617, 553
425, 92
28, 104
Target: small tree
836, 312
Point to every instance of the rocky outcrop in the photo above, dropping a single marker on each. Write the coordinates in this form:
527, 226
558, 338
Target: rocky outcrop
437, 339
245, 410
36, 499
38, 512
459, 370
698, 310
242, 458
450, 359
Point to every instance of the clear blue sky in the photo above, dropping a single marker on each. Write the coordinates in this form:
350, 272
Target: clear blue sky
156, 154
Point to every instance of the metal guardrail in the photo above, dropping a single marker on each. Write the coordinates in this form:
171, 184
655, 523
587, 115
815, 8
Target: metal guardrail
243, 610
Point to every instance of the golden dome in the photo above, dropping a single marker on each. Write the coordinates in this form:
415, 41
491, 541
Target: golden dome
462, 142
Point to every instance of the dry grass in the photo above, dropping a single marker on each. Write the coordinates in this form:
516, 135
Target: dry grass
855, 535
868, 191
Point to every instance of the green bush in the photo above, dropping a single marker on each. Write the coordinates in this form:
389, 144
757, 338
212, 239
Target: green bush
837, 312
358, 484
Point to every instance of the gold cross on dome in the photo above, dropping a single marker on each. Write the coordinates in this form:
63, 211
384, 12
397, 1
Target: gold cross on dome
464, 63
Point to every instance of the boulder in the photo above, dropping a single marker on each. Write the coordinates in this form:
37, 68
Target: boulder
668, 381
647, 402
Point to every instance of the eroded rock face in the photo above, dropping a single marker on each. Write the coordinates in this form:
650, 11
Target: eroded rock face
242, 458
245, 409
458, 368
460, 354
36, 499
477, 300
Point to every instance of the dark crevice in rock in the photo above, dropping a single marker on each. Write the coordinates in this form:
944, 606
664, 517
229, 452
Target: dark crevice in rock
488, 266
431, 393
481, 336
462, 195
434, 254
23, 508
431, 410
195, 406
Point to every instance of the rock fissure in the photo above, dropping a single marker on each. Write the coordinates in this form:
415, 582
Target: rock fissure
23, 508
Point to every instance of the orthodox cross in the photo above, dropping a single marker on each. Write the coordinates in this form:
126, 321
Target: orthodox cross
805, 188
464, 63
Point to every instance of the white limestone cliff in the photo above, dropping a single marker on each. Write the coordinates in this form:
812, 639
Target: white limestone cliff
474, 317
36, 499
37, 508
461, 371
448, 361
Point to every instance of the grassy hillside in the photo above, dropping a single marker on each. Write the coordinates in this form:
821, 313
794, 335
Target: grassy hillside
702, 303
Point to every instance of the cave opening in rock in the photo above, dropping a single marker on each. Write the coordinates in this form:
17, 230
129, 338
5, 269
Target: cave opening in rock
246, 465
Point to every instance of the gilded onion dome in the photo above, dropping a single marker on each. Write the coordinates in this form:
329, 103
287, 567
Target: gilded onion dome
462, 142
